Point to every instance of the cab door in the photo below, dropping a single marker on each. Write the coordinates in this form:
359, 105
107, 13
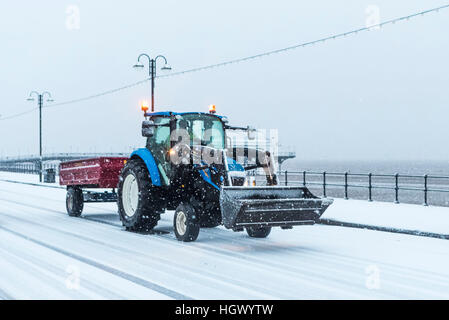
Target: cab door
159, 145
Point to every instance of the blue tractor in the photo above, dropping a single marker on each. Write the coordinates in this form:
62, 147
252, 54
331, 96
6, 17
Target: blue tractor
189, 166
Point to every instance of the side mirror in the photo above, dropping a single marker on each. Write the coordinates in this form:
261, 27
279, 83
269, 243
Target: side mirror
251, 133
147, 128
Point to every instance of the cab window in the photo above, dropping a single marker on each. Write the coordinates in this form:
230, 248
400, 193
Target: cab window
161, 138
205, 130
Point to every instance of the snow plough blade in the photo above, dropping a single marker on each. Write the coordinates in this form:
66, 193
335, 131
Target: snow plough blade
270, 206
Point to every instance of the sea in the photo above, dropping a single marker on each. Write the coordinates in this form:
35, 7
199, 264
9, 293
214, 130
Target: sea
411, 189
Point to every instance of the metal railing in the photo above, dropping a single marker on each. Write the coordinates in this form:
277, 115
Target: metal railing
364, 185
28, 168
60, 156
424, 189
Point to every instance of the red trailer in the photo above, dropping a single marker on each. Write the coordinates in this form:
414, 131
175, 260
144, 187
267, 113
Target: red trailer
101, 173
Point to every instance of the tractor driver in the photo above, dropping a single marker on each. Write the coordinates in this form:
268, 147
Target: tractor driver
183, 124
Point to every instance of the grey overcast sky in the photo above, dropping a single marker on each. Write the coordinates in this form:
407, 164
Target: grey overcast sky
380, 94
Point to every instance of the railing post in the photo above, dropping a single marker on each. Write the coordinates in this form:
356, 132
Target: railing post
370, 187
346, 186
304, 178
324, 184
286, 177
396, 188
425, 190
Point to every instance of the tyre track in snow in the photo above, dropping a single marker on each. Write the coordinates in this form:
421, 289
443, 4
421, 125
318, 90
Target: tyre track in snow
340, 258
318, 273
246, 263
51, 275
321, 265
309, 275
142, 282
242, 258
257, 290
322, 257
286, 275
137, 256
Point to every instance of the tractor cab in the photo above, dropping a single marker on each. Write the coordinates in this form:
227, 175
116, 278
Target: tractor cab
189, 138
193, 128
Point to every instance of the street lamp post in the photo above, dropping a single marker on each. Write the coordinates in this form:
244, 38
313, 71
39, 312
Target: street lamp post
152, 71
40, 99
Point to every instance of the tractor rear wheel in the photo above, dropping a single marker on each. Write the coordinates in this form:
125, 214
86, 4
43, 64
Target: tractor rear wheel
74, 201
185, 223
135, 199
258, 232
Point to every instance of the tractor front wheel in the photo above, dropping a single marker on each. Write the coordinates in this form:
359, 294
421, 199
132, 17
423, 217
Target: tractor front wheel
185, 223
258, 232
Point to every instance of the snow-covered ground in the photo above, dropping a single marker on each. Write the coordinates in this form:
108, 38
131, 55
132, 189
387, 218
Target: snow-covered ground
28, 178
46, 254
384, 214
380, 214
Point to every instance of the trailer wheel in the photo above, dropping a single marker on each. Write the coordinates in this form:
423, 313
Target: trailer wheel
258, 232
185, 223
135, 199
74, 201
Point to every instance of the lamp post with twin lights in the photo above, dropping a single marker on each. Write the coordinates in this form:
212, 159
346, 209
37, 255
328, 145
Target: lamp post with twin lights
152, 71
40, 102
